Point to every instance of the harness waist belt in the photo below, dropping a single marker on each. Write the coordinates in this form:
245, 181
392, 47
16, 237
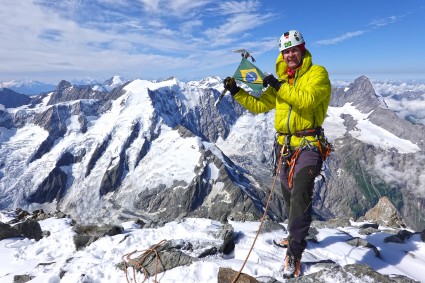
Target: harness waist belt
304, 133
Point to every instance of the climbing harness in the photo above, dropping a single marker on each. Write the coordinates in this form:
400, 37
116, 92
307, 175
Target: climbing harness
291, 154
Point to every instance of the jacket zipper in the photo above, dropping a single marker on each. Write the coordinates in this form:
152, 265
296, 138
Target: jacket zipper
290, 108
289, 119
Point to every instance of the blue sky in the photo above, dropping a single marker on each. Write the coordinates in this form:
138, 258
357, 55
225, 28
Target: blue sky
51, 40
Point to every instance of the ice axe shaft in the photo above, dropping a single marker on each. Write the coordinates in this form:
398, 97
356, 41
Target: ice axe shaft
220, 97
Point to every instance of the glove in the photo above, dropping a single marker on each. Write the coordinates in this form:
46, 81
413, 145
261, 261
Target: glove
230, 84
271, 81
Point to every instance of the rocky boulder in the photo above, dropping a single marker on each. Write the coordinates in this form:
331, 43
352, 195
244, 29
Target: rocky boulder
351, 273
227, 275
29, 229
22, 278
7, 231
87, 234
164, 256
331, 223
399, 238
359, 242
385, 213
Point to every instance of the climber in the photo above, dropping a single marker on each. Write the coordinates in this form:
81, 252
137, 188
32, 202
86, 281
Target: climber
301, 95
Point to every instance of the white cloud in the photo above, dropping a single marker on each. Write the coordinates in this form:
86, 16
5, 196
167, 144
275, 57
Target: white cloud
151, 5
186, 28
413, 110
341, 38
408, 176
182, 7
387, 172
406, 99
378, 23
375, 24
235, 24
237, 7
43, 37
398, 88
177, 8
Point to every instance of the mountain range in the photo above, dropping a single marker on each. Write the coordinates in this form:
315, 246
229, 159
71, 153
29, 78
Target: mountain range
161, 150
33, 88
28, 87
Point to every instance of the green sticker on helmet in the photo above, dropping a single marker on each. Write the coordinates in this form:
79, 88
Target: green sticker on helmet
287, 44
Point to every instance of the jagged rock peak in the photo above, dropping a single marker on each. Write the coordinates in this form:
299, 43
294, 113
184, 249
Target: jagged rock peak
63, 85
385, 213
365, 93
362, 79
361, 94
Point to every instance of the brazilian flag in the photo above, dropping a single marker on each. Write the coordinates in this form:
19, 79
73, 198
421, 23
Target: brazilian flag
249, 74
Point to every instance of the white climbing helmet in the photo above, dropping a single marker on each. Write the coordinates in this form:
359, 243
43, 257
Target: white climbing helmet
290, 39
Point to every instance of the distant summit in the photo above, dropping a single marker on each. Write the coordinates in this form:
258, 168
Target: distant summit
361, 93
113, 82
32, 88
65, 92
105, 86
28, 87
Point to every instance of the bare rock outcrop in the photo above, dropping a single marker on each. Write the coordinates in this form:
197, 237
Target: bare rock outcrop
385, 213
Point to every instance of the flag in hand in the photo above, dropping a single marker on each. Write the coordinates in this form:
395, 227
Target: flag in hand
249, 74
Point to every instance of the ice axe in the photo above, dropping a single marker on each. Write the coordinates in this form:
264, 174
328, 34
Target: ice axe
220, 97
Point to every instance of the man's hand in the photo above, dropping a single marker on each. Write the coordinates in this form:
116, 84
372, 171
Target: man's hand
230, 84
270, 80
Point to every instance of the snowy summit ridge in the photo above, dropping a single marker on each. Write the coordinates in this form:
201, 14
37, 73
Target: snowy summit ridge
199, 250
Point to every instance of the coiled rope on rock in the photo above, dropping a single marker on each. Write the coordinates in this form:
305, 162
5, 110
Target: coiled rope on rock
138, 262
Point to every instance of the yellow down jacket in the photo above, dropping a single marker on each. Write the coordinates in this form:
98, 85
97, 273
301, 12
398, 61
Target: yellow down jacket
299, 106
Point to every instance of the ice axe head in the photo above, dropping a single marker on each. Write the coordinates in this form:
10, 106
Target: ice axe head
244, 53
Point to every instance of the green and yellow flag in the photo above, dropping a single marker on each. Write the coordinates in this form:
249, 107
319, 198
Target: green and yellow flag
249, 74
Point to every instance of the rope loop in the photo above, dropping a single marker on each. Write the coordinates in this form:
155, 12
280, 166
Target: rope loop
138, 262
